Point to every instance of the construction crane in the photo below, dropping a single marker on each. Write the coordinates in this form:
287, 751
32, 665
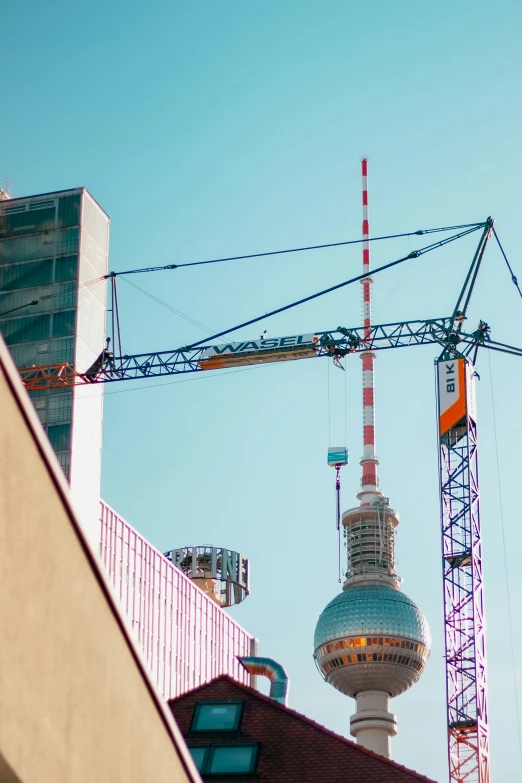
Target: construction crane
467, 717
446, 332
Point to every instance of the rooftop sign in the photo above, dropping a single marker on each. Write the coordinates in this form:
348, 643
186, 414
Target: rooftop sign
224, 574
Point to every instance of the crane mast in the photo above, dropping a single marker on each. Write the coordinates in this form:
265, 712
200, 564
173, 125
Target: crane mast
467, 712
464, 632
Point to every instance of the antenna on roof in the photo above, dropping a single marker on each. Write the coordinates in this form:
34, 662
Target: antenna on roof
5, 190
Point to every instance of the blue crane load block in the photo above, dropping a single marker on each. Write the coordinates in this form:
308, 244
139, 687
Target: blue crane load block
337, 456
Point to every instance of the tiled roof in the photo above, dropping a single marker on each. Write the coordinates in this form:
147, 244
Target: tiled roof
294, 748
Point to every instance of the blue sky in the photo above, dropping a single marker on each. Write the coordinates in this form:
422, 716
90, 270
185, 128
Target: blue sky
207, 129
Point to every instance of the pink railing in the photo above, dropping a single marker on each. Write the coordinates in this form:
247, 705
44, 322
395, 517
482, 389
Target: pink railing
186, 638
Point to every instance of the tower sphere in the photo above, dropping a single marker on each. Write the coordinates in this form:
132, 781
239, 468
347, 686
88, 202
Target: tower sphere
371, 637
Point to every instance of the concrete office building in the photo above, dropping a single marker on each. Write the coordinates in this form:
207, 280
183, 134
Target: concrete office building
53, 256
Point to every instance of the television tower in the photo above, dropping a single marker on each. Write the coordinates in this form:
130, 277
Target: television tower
372, 641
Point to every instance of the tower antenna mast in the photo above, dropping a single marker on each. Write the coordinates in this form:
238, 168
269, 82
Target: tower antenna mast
369, 461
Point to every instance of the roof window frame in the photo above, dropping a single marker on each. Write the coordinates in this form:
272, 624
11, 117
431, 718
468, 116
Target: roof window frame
200, 705
211, 748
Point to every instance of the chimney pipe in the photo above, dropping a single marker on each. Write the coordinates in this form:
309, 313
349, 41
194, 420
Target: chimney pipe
267, 667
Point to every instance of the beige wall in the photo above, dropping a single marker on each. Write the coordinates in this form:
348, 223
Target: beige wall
75, 702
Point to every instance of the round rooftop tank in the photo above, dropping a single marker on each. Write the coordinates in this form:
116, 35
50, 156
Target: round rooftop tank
371, 637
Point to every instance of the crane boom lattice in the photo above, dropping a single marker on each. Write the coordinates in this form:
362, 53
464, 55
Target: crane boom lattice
336, 344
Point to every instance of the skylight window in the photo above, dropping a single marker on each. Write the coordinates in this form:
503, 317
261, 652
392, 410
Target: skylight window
225, 759
198, 754
232, 759
217, 716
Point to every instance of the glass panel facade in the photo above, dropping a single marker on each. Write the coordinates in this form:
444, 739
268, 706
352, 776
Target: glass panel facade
28, 329
64, 458
53, 407
67, 241
53, 251
27, 222
37, 273
66, 268
69, 211
43, 245
25, 275
63, 323
48, 352
59, 436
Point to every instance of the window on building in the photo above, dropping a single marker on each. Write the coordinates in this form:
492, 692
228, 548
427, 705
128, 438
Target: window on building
199, 753
59, 406
24, 330
67, 241
64, 458
69, 211
217, 716
59, 436
26, 275
29, 221
66, 268
225, 759
63, 323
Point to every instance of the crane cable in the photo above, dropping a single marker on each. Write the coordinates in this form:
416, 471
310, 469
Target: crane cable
510, 621
413, 254
337, 475
169, 307
168, 267
513, 276
338, 491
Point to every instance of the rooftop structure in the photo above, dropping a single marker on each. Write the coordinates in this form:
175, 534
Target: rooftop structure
371, 641
221, 573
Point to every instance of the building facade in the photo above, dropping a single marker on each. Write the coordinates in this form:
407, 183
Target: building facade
53, 258
186, 638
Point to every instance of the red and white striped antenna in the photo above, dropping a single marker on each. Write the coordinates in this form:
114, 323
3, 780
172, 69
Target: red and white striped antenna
369, 460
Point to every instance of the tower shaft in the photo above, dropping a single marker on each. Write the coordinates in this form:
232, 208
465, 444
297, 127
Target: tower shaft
373, 725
